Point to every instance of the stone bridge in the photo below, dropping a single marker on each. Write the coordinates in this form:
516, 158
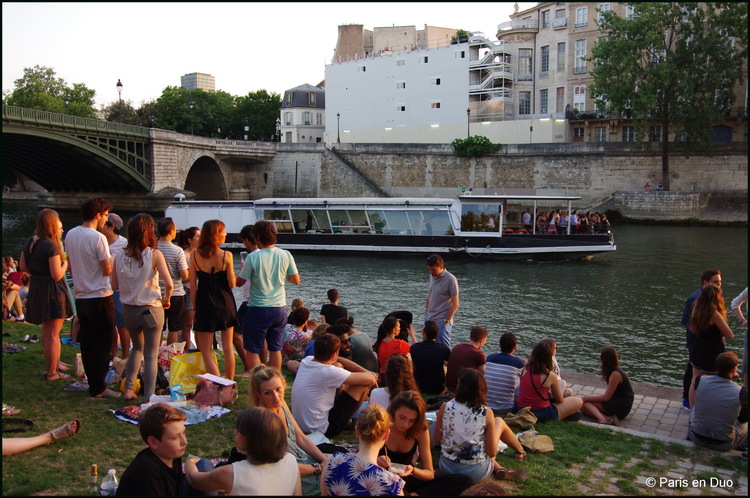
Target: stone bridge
67, 155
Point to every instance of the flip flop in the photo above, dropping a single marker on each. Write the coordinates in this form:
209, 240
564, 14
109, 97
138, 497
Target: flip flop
9, 410
56, 376
67, 430
512, 475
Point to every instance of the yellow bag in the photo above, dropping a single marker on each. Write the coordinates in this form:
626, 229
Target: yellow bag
184, 368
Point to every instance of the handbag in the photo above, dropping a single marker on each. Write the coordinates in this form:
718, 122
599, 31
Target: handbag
522, 420
212, 394
536, 443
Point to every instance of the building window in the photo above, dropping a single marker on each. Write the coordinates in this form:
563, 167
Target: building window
582, 14
629, 11
600, 133
361, 69
578, 132
603, 7
435, 104
524, 102
289, 99
524, 63
560, 101
561, 20
579, 64
545, 19
460, 54
288, 120
561, 56
628, 134
579, 98
311, 99
400, 62
400, 85
424, 60
545, 61
401, 107
319, 118
435, 81
543, 101
308, 117
654, 134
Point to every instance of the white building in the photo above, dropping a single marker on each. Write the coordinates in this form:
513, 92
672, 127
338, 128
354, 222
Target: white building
302, 118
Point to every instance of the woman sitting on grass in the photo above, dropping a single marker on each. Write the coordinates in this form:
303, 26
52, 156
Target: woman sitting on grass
537, 380
358, 474
268, 470
468, 433
409, 443
388, 344
617, 400
399, 377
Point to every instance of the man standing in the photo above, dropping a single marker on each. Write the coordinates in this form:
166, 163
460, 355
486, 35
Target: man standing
248, 240
468, 355
527, 220
712, 277
90, 266
111, 230
442, 298
266, 317
175, 317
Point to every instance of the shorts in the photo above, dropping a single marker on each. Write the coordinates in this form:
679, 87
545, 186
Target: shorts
544, 414
175, 315
343, 408
261, 325
119, 321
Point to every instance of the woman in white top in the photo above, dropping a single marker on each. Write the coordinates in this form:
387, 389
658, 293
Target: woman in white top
135, 275
268, 470
399, 377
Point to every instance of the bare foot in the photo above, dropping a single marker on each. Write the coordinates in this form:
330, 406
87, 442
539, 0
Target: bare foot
57, 376
107, 393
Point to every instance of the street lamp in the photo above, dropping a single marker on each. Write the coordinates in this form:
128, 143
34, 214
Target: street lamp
338, 127
468, 123
247, 128
67, 100
191, 116
119, 89
278, 129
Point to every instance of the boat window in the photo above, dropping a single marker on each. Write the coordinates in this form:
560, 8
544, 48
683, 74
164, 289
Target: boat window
280, 219
430, 222
310, 220
390, 222
349, 221
480, 217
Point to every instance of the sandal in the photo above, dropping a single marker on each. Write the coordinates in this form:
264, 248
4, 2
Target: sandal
512, 475
9, 411
520, 457
56, 376
67, 430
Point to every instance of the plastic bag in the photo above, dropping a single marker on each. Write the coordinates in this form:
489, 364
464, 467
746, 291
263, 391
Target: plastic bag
185, 368
166, 353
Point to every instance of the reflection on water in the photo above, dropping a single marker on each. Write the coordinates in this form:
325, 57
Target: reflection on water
632, 298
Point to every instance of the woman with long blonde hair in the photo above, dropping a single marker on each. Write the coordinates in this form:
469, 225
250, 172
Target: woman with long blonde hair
211, 280
135, 273
48, 302
708, 322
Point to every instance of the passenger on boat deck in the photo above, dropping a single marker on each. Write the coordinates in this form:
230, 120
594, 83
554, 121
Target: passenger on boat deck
527, 219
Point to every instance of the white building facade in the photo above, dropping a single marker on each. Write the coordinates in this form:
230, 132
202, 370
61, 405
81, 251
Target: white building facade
302, 115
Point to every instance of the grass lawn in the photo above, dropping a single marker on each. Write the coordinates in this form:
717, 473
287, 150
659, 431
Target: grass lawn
582, 453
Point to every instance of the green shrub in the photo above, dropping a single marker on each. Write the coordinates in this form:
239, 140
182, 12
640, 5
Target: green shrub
474, 146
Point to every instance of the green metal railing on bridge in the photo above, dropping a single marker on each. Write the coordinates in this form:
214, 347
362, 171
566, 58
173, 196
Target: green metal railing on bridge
53, 119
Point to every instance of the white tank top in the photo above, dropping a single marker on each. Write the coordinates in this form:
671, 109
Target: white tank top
139, 284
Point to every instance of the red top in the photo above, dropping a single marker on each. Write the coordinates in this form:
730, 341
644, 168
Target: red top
531, 392
387, 348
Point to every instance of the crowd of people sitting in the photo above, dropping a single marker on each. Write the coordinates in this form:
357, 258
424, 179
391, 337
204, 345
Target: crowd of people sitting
342, 379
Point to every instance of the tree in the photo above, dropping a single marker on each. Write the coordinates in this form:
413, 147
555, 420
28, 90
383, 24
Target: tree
261, 110
40, 89
475, 146
674, 65
121, 112
211, 111
461, 36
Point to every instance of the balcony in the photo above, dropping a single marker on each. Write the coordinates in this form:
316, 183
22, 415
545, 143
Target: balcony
518, 24
579, 69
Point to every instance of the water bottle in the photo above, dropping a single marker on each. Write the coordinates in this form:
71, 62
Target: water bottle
110, 378
93, 485
109, 484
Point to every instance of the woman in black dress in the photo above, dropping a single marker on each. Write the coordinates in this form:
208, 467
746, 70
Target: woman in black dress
211, 282
48, 302
617, 400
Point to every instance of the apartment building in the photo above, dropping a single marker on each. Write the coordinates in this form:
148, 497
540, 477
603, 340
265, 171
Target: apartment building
302, 114
201, 81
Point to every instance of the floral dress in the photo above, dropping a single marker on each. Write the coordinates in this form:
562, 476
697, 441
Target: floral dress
294, 344
349, 475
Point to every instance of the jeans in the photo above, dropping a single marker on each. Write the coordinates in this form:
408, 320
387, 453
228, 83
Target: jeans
96, 317
204, 466
145, 324
444, 336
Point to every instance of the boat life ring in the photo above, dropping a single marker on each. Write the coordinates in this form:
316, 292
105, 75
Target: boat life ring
508, 231
522, 231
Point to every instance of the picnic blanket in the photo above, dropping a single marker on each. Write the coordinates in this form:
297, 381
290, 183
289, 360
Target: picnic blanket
130, 414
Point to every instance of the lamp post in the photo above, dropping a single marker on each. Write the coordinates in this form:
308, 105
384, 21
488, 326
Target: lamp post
247, 128
278, 129
67, 101
191, 105
119, 89
468, 123
338, 127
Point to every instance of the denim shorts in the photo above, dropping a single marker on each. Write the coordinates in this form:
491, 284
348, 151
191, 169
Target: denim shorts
475, 471
544, 414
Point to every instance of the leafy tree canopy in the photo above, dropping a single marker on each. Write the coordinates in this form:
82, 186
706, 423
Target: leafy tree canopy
674, 65
474, 146
40, 88
461, 36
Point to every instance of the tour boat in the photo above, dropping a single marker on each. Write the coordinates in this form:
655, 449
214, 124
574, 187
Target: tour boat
476, 225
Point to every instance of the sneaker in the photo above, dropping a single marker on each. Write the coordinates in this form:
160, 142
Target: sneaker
686, 404
77, 386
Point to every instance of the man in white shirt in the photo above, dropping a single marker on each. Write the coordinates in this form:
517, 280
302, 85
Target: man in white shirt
111, 230
175, 317
90, 266
316, 405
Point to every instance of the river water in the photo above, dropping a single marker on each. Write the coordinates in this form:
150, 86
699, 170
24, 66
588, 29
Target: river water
631, 299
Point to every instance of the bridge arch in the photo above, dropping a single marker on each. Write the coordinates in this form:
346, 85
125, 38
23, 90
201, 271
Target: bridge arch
207, 179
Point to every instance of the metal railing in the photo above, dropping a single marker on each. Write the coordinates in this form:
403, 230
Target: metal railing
24, 115
519, 24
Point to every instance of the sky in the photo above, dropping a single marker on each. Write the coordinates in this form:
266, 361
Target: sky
245, 46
